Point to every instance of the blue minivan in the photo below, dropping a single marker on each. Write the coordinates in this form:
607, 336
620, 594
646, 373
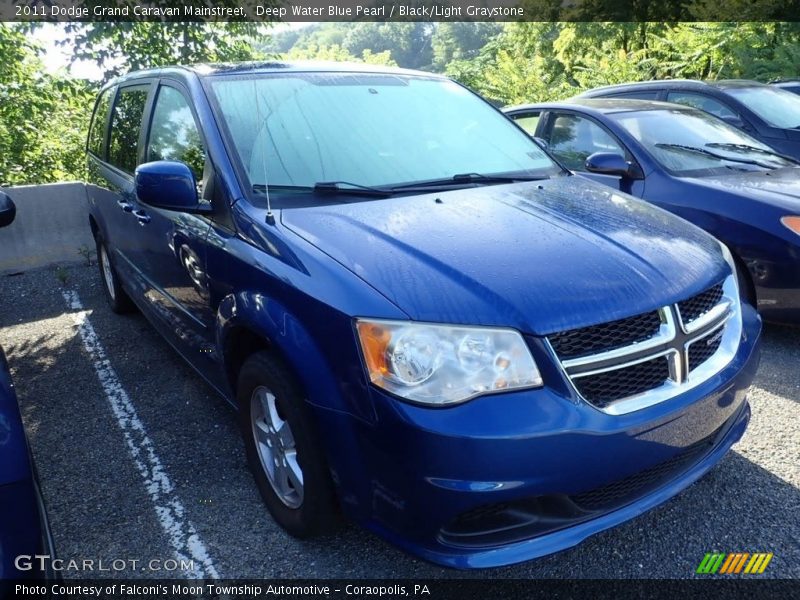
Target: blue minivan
425, 323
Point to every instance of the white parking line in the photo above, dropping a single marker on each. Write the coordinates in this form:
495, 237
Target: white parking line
183, 537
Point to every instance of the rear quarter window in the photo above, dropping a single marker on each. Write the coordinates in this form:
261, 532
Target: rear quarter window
126, 124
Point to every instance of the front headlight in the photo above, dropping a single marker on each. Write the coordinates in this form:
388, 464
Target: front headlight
444, 364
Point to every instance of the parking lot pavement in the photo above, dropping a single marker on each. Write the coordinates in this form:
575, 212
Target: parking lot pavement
146, 463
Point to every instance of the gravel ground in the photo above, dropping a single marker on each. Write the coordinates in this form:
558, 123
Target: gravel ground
99, 506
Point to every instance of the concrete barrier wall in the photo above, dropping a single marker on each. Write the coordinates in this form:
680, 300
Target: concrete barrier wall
52, 223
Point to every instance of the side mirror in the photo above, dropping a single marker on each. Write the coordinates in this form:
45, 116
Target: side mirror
608, 163
542, 142
167, 184
8, 210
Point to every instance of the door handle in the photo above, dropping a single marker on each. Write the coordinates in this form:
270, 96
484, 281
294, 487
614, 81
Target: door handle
142, 217
125, 206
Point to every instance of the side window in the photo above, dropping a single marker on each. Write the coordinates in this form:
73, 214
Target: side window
528, 121
126, 122
174, 134
97, 130
703, 102
573, 139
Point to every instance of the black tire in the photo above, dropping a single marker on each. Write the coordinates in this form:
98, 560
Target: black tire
317, 512
118, 300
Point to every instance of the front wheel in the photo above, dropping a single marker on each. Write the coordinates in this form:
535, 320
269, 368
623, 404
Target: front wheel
287, 464
117, 298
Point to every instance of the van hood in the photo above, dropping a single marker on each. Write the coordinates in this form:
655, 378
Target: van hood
538, 256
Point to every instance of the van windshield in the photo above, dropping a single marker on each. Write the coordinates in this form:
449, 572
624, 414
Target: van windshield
295, 130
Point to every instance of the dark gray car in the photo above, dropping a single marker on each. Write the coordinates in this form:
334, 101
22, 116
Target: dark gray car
766, 112
790, 85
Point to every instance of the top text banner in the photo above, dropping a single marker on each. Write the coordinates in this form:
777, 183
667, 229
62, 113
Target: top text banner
402, 10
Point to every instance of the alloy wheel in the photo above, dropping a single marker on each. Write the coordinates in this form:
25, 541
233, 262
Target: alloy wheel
108, 274
276, 448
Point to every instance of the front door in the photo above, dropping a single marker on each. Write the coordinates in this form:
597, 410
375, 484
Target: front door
573, 138
171, 249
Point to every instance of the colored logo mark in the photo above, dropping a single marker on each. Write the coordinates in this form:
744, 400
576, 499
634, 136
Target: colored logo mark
734, 562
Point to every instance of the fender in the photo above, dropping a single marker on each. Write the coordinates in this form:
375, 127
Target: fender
270, 320
342, 444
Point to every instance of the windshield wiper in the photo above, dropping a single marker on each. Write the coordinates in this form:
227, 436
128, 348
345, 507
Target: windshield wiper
357, 189
325, 187
353, 189
705, 152
748, 148
462, 178
263, 189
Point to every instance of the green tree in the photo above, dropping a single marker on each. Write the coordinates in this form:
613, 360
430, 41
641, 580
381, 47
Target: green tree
119, 47
530, 62
517, 66
43, 118
320, 35
337, 53
408, 43
280, 42
760, 51
460, 41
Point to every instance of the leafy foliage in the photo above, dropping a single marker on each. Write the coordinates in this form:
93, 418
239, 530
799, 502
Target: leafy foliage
408, 44
453, 41
534, 62
120, 47
43, 119
336, 52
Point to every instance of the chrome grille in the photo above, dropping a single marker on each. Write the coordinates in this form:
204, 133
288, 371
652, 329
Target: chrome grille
697, 306
606, 336
703, 349
656, 355
607, 386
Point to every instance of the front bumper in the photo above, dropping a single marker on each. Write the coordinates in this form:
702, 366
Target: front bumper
429, 479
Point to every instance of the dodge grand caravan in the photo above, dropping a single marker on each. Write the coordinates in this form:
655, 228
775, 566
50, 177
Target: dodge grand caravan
425, 323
